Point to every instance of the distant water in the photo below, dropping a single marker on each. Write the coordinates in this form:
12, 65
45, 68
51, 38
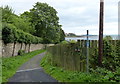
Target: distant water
114, 37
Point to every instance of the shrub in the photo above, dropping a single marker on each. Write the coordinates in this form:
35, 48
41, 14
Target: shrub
110, 55
7, 33
108, 38
11, 34
73, 41
64, 42
21, 52
106, 75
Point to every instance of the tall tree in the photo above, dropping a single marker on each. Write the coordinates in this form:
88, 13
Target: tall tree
45, 21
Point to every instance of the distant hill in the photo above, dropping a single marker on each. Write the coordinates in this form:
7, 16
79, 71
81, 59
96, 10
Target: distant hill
70, 35
74, 35
85, 35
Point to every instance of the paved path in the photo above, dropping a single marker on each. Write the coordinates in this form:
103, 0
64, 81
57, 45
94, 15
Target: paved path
32, 72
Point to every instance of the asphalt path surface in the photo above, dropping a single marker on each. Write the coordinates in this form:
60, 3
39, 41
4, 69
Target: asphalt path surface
32, 72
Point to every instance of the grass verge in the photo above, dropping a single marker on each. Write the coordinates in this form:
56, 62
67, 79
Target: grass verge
98, 75
11, 64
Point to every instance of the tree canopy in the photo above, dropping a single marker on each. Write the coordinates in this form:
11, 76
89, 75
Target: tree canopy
41, 21
21, 23
46, 22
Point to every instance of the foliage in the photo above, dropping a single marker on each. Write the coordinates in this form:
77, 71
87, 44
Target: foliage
21, 52
11, 64
93, 53
23, 24
10, 34
117, 51
107, 38
41, 21
62, 35
46, 22
107, 75
7, 33
64, 42
8, 16
111, 58
73, 41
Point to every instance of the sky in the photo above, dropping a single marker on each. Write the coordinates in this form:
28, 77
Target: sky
76, 16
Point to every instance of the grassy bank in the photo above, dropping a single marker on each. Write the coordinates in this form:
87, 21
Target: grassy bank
11, 64
98, 75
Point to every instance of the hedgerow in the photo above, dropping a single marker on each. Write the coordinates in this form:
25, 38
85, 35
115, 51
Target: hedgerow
11, 34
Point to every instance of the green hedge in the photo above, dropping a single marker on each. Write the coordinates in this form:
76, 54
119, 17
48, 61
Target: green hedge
11, 34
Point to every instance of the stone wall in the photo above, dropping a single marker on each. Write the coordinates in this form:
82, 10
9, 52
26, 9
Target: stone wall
7, 49
36, 47
12, 49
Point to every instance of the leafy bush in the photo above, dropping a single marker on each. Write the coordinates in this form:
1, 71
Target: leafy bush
111, 58
73, 41
64, 42
11, 34
21, 23
21, 52
106, 75
107, 38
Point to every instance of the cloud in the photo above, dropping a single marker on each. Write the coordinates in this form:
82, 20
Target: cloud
109, 28
76, 15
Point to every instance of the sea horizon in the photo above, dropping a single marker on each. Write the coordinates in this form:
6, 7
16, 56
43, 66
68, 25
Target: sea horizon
91, 37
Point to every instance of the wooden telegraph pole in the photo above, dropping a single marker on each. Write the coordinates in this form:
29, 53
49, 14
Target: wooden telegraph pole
100, 49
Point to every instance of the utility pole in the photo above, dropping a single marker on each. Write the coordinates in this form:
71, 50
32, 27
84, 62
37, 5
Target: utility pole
87, 52
101, 19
